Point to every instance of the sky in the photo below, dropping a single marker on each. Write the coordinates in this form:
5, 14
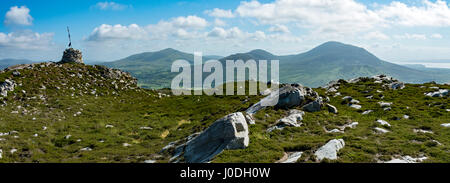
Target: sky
394, 31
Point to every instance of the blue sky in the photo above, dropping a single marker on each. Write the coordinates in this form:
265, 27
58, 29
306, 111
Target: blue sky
109, 30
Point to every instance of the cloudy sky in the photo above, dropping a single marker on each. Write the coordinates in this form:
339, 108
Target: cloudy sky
109, 30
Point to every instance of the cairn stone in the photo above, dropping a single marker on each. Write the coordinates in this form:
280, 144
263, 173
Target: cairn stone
72, 56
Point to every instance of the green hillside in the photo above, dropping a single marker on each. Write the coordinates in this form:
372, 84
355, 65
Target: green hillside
153, 68
329, 61
82, 113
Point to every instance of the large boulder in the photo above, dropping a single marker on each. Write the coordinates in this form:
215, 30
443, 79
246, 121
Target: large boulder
72, 56
313, 106
288, 96
330, 149
7, 85
229, 132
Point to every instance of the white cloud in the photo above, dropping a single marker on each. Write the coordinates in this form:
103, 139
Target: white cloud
219, 22
18, 16
111, 6
113, 32
435, 14
411, 36
279, 29
189, 22
332, 18
376, 35
344, 16
220, 13
26, 40
436, 36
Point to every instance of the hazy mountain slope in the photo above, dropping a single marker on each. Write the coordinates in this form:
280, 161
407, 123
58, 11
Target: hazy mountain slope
153, 68
333, 60
329, 61
4, 63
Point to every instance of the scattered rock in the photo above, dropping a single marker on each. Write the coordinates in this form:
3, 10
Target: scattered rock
446, 125
293, 119
396, 85
422, 131
347, 98
150, 161
6, 86
385, 104
126, 145
313, 106
292, 157
109, 126
330, 149
250, 119
381, 130
367, 112
354, 101
440, 93
384, 123
405, 116
407, 159
145, 128
355, 106
86, 149
332, 109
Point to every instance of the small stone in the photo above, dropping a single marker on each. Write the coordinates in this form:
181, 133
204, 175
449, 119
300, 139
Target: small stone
446, 125
332, 109
381, 130
109, 126
367, 112
293, 157
150, 161
126, 145
145, 128
355, 106
384, 123
86, 149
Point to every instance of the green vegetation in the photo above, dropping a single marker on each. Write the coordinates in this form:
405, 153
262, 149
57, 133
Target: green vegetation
67, 106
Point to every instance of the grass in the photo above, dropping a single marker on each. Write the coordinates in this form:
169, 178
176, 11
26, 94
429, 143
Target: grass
129, 108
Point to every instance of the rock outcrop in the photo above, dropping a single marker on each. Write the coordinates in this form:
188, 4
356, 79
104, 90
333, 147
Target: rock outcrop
330, 150
313, 106
294, 119
72, 56
288, 96
440, 93
229, 132
7, 85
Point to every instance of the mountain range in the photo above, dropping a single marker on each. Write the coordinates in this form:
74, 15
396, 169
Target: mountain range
324, 63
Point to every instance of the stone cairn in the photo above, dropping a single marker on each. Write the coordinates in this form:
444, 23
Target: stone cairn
72, 56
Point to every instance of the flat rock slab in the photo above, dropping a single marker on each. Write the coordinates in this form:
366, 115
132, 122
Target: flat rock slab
292, 157
330, 149
407, 159
381, 130
229, 132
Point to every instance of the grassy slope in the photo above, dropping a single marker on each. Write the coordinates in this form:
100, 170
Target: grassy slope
362, 143
175, 117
